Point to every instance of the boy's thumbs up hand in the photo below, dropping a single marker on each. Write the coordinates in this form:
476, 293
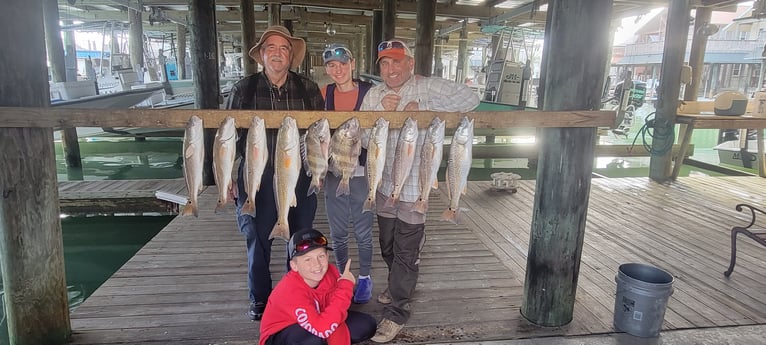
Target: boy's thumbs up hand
347, 273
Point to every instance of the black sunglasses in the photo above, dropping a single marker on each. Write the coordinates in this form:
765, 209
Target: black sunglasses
340, 51
390, 44
303, 245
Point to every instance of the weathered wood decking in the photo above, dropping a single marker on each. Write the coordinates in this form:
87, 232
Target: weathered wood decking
188, 286
112, 196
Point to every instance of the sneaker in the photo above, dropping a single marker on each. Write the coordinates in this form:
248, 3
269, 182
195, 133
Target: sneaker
255, 313
384, 297
363, 293
387, 331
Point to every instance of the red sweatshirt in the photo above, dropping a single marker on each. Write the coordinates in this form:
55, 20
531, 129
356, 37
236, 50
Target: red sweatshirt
322, 310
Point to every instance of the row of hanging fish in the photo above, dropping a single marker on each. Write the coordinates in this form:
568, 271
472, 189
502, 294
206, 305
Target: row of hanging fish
320, 152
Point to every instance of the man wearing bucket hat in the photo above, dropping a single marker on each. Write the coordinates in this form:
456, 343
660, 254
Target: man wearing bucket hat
346, 94
310, 304
402, 229
275, 88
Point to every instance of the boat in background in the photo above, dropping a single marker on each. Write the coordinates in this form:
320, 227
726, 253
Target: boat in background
730, 153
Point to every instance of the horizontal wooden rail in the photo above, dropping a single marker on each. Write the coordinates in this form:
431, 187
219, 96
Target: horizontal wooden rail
177, 118
504, 151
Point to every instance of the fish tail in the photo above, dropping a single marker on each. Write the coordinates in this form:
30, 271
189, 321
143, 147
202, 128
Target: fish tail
249, 206
343, 187
190, 209
369, 204
421, 206
314, 187
220, 207
451, 215
281, 230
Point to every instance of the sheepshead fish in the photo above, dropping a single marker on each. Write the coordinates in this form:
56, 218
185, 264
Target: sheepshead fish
345, 148
376, 160
194, 161
224, 151
287, 167
430, 160
256, 156
404, 157
458, 166
315, 152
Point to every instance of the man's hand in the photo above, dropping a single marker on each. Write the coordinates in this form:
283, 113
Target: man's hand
390, 102
347, 273
412, 106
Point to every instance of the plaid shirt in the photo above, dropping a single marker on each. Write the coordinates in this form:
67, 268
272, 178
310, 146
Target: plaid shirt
257, 92
434, 94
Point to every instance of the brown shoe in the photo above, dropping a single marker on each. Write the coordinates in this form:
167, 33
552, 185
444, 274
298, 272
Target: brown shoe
384, 297
387, 331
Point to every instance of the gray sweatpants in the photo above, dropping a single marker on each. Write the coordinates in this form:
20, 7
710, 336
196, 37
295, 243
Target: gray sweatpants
346, 211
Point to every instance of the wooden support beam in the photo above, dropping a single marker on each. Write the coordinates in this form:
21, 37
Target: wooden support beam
136, 39
205, 64
424, 43
697, 52
574, 73
177, 118
676, 35
181, 51
377, 37
31, 247
389, 19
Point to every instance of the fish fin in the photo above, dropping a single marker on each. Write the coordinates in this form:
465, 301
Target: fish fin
450, 215
369, 204
446, 180
343, 187
249, 206
421, 206
391, 201
190, 209
189, 151
305, 155
280, 231
436, 184
465, 189
293, 199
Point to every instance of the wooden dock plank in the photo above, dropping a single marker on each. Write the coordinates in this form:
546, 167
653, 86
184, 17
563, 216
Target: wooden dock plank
188, 284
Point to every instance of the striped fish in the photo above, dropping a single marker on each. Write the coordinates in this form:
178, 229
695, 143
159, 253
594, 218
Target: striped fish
315, 152
345, 148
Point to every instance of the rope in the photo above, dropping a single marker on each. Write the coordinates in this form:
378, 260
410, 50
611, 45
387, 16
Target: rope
652, 129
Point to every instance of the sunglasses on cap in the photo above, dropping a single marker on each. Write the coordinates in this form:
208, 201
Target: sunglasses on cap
390, 44
339, 52
309, 243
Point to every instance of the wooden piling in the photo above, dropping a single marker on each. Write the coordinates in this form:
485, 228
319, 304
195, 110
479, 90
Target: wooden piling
565, 160
462, 54
205, 65
275, 14
424, 43
377, 37
389, 19
697, 52
55, 48
181, 51
136, 40
667, 100
247, 15
31, 247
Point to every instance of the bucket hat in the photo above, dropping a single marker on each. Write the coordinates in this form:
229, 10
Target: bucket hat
297, 43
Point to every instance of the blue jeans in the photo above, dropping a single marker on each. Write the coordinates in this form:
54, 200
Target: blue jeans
257, 229
346, 210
